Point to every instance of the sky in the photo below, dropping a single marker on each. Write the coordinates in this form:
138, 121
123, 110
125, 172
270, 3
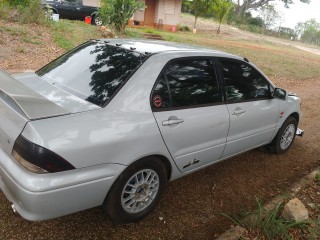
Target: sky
299, 12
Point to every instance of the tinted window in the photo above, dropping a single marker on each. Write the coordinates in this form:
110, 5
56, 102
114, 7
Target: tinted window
191, 82
93, 71
160, 97
243, 82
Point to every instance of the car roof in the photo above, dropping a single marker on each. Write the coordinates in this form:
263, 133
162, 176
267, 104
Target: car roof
157, 46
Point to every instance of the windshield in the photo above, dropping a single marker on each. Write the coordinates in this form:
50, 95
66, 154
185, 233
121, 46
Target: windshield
93, 71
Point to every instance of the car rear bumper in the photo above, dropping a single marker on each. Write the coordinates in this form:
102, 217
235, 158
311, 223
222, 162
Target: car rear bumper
46, 196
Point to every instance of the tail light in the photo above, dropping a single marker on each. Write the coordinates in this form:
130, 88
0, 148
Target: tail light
38, 159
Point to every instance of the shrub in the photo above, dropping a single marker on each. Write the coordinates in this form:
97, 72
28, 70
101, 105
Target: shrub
118, 12
4, 10
33, 13
24, 11
183, 28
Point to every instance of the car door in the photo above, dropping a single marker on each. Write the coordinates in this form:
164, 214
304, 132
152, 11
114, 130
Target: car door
253, 112
70, 9
193, 120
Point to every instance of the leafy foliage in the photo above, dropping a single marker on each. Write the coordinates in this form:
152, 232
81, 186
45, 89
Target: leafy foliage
269, 16
183, 28
24, 11
198, 8
221, 9
118, 12
244, 6
309, 31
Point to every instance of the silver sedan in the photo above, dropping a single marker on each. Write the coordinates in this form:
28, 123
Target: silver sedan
110, 122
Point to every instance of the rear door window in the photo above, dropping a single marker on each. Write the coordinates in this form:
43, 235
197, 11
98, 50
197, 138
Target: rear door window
187, 83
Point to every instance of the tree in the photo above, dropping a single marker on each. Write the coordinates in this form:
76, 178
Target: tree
118, 12
244, 5
269, 15
221, 9
198, 8
309, 31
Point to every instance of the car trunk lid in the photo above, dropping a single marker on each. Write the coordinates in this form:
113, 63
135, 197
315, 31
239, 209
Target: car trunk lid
18, 105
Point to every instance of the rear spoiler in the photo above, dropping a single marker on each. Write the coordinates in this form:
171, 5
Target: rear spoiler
26, 101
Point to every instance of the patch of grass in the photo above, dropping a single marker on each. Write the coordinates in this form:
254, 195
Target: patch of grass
31, 40
20, 50
68, 34
15, 31
4, 11
151, 31
131, 33
271, 225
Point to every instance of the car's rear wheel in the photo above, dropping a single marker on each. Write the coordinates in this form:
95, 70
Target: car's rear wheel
137, 191
285, 136
96, 20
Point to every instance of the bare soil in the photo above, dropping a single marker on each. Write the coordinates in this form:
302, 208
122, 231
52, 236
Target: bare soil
191, 206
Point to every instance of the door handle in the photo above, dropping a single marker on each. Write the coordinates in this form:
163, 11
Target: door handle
172, 122
238, 112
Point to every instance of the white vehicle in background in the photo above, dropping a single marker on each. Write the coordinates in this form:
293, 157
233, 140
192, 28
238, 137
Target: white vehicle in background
110, 122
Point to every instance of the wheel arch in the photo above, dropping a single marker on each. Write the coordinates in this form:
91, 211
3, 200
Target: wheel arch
164, 160
295, 115
54, 10
166, 163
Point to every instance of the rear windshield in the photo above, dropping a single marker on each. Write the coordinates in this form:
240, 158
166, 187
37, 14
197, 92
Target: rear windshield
93, 71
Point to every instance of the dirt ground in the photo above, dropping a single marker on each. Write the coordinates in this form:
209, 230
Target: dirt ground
191, 206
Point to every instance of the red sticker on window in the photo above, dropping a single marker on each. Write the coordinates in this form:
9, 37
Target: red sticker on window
157, 101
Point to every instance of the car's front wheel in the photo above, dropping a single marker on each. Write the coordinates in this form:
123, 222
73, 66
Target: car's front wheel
137, 191
285, 136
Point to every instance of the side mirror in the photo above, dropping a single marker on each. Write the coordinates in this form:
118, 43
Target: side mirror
280, 93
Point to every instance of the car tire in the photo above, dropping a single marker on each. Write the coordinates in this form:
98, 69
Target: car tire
285, 136
96, 20
136, 192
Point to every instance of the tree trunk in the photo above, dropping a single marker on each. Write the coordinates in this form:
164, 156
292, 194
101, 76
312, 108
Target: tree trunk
195, 22
218, 31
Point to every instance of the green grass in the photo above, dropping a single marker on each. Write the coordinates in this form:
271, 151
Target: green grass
21, 33
17, 31
68, 34
271, 225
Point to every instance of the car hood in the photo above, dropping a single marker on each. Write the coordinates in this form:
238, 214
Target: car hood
47, 99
